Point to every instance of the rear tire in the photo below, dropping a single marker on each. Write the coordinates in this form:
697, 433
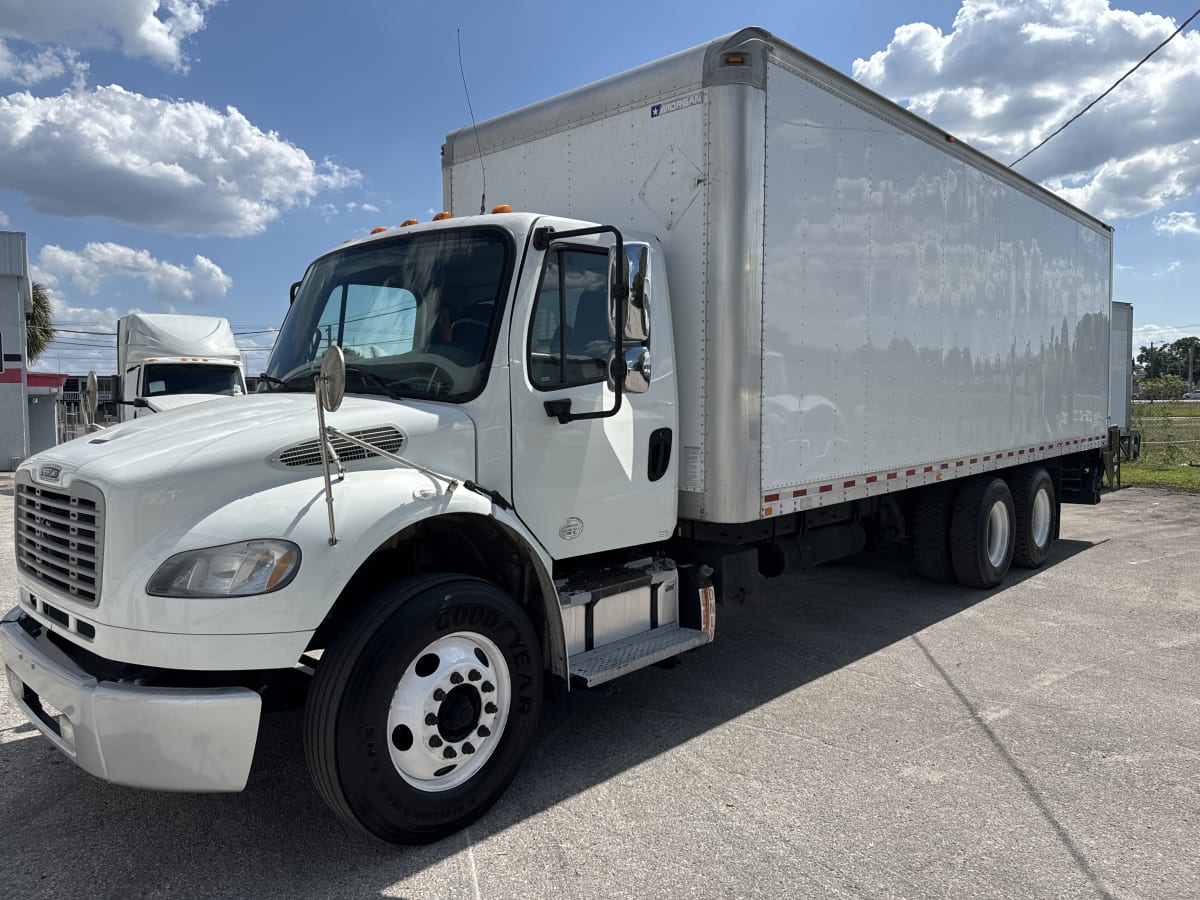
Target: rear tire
423, 707
1034, 503
982, 534
931, 533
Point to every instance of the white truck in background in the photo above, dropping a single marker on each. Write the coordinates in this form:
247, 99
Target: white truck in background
749, 315
1124, 441
168, 361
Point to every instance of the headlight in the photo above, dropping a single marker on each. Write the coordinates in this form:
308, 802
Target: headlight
232, 570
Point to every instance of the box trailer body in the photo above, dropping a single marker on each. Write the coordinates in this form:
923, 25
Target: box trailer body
1120, 391
168, 361
746, 315
862, 302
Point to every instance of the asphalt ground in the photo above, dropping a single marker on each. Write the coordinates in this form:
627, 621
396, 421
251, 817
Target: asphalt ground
856, 733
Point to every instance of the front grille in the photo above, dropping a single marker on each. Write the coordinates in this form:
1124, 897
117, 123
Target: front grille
387, 438
60, 537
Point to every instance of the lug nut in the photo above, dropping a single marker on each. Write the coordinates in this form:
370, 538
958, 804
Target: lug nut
490, 708
435, 742
430, 719
474, 675
468, 748
483, 731
439, 695
456, 678
487, 687
449, 753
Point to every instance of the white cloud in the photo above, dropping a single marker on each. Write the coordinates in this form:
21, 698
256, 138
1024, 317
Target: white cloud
1173, 265
155, 30
165, 165
1010, 72
1177, 223
369, 207
98, 263
1145, 335
3, 218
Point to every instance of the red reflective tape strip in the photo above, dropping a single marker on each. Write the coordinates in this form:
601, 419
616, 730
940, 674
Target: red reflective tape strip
1020, 452
871, 479
771, 498
849, 483
985, 459
825, 488
945, 465
800, 493
956, 465
974, 459
891, 475
929, 468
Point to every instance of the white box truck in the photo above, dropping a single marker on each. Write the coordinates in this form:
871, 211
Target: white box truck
168, 361
748, 315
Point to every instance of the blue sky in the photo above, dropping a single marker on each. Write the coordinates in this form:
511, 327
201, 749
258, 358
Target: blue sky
141, 188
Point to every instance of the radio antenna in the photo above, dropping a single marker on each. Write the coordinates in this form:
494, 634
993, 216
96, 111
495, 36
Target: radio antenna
478, 149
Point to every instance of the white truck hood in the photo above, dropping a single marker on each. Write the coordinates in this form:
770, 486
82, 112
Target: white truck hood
234, 444
165, 402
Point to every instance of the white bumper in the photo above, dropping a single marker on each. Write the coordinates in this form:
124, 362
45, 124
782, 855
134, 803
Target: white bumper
177, 739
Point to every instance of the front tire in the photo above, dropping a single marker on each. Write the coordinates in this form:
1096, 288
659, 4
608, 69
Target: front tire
423, 707
982, 536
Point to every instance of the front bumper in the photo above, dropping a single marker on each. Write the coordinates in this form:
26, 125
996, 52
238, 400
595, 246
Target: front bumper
175, 739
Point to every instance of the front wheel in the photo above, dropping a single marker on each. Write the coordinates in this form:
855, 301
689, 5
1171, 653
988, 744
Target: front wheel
422, 709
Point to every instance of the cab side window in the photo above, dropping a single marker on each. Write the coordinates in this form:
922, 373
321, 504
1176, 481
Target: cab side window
570, 335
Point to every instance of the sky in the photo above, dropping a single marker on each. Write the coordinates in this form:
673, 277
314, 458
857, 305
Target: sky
193, 156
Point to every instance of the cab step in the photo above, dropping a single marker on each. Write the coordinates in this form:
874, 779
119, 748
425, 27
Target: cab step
613, 660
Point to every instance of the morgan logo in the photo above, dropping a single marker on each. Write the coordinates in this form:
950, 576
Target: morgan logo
50, 473
661, 109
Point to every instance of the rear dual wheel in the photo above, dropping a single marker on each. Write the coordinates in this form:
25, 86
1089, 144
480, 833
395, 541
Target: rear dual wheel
423, 707
982, 532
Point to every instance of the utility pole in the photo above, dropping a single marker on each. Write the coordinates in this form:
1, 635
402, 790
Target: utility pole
1191, 359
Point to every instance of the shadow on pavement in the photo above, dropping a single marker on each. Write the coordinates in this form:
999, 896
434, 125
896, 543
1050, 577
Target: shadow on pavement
65, 830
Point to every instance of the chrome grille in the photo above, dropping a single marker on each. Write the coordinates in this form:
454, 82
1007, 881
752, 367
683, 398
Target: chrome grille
60, 537
387, 438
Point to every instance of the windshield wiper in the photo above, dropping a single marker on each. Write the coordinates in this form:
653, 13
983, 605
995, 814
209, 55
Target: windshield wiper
374, 379
271, 379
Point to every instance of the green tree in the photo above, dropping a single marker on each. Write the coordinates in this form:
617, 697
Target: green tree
39, 326
1170, 359
1168, 387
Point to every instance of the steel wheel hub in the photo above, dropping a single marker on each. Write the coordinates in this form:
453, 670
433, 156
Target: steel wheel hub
998, 526
448, 712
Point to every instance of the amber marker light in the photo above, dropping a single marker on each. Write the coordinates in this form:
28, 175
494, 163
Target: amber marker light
734, 59
281, 569
378, 230
408, 222
442, 215
502, 208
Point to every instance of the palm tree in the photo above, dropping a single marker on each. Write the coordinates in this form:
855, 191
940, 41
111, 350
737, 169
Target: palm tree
39, 329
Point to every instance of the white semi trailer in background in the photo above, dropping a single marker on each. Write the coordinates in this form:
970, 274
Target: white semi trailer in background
168, 361
748, 315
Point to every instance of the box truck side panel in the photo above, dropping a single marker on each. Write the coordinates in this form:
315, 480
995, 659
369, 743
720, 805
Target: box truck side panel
917, 308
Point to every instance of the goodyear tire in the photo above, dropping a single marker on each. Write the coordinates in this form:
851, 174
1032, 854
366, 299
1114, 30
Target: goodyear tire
982, 535
931, 532
423, 707
1033, 499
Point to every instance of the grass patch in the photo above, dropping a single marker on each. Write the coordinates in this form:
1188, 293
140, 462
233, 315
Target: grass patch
1170, 445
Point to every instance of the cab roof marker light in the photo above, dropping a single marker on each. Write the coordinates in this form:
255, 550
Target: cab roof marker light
408, 222
442, 215
502, 208
378, 230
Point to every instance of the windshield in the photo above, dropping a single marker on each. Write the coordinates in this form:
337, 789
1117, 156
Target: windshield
415, 316
184, 378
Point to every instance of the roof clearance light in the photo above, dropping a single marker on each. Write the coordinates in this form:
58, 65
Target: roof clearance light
734, 59
502, 208
408, 222
378, 230
442, 215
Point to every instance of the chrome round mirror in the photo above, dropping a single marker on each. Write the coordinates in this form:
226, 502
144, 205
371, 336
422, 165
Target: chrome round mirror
331, 384
91, 397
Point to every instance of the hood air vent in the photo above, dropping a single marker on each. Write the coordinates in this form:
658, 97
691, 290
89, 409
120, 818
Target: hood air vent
386, 438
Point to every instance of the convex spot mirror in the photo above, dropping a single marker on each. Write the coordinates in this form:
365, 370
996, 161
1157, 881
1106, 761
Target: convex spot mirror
91, 398
331, 383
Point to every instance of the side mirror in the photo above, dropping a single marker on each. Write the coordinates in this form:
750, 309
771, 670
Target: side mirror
91, 398
292, 292
637, 311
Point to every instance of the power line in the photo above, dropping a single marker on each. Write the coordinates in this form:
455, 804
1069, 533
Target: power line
1109, 91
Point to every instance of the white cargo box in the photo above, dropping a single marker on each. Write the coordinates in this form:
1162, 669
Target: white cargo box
142, 337
861, 303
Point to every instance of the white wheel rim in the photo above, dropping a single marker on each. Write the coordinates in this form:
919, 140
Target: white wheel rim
998, 529
1041, 518
448, 712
